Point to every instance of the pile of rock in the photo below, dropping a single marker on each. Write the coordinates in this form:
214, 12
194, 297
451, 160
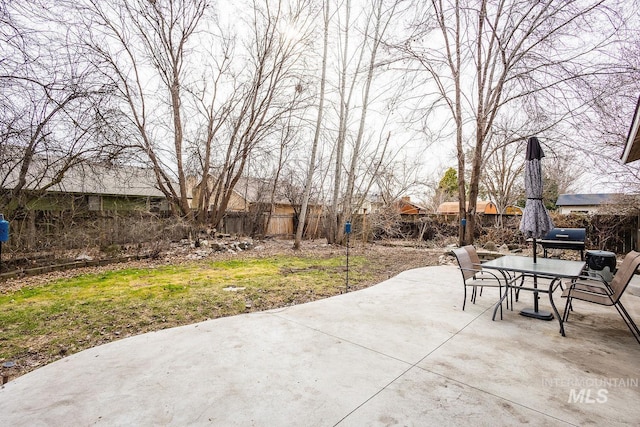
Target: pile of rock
203, 248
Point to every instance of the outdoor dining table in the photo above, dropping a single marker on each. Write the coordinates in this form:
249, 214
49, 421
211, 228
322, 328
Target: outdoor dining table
547, 268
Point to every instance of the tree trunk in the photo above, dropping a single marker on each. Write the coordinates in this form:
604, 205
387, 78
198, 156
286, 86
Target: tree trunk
334, 232
316, 137
355, 157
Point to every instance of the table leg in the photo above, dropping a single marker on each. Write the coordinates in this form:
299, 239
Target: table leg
502, 297
555, 310
499, 304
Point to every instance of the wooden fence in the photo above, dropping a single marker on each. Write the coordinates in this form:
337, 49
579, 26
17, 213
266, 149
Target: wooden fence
280, 225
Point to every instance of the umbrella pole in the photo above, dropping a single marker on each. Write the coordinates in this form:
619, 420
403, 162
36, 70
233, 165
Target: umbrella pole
535, 278
534, 312
542, 315
535, 294
535, 250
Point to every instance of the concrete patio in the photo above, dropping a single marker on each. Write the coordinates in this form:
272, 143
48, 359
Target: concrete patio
399, 353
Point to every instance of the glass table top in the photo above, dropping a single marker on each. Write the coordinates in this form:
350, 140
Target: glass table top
544, 266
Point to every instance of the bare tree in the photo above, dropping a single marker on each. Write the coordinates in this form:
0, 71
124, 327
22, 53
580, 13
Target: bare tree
381, 15
143, 49
502, 176
274, 87
604, 127
508, 52
54, 108
358, 70
216, 92
333, 219
288, 137
316, 136
215, 110
560, 174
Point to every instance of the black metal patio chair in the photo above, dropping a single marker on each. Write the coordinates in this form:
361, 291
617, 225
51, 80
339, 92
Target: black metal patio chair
598, 291
474, 276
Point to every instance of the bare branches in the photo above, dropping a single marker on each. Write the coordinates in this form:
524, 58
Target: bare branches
515, 56
205, 93
53, 107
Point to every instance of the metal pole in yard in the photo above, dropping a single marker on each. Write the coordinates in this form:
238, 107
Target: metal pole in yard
4, 235
347, 231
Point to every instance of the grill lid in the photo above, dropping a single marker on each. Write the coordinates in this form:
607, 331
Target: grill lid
567, 234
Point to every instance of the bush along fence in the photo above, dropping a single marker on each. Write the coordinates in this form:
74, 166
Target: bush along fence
53, 231
615, 233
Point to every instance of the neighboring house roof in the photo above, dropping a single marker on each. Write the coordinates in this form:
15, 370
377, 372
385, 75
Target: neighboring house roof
410, 208
452, 208
632, 146
585, 199
484, 207
88, 178
513, 210
129, 181
256, 190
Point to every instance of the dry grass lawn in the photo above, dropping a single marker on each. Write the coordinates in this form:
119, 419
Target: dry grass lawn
47, 317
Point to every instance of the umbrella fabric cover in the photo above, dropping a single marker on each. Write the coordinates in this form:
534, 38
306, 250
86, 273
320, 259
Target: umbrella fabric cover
535, 221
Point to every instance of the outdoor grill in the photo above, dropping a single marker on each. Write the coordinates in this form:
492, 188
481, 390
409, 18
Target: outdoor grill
601, 264
565, 238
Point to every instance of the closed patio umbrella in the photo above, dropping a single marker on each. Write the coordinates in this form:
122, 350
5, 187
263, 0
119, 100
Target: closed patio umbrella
535, 222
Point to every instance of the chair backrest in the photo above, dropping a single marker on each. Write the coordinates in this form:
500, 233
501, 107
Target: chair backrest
473, 254
468, 267
624, 274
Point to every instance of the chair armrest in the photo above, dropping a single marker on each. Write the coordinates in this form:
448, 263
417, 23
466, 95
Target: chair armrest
508, 274
599, 280
480, 271
591, 284
598, 276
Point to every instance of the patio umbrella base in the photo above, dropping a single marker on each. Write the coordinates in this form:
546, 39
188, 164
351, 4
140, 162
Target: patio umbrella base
537, 314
